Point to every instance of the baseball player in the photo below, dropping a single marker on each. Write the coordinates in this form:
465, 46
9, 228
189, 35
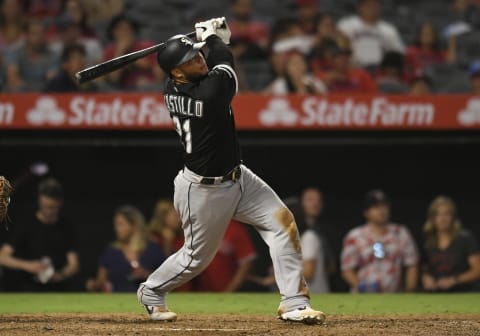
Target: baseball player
214, 186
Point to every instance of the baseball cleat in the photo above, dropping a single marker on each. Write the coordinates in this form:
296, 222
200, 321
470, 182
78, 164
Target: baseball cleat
160, 314
304, 315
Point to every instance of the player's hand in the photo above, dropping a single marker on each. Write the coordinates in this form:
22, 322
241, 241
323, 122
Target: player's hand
205, 29
222, 30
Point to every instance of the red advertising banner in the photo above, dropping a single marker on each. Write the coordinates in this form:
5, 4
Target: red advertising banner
252, 112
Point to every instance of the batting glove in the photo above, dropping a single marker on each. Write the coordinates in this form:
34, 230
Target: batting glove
222, 30
205, 29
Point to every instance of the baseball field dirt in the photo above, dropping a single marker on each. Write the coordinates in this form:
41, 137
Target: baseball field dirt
200, 324
82, 314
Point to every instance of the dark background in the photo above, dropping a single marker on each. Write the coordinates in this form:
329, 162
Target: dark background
102, 170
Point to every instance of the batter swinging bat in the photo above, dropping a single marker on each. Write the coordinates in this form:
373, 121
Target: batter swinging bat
106, 67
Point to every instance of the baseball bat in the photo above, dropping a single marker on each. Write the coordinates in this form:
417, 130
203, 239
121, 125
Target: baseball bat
106, 67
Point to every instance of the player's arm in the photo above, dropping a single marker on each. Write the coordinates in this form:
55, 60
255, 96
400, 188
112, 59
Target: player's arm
7, 259
216, 34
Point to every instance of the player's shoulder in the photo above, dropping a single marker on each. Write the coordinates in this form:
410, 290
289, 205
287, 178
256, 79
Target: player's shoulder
224, 71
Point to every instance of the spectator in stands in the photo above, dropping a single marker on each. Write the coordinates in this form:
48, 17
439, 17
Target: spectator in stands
475, 77
44, 9
12, 21
391, 75
318, 260
73, 60
421, 84
307, 13
370, 36
76, 11
466, 17
31, 65
427, 50
42, 250
249, 38
452, 254
230, 266
343, 77
130, 259
374, 255
296, 79
100, 13
70, 32
165, 227
287, 37
143, 74
326, 32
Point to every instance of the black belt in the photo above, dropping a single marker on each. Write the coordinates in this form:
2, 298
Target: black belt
233, 175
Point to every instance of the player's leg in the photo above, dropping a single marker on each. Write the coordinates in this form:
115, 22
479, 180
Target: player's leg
205, 211
261, 207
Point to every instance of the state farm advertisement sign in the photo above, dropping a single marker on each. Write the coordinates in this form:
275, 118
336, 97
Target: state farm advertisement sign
252, 112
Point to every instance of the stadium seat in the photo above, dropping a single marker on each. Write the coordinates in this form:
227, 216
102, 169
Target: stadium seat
468, 48
448, 78
258, 74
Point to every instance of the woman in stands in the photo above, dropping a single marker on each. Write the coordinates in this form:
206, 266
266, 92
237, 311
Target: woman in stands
427, 50
452, 255
130, 259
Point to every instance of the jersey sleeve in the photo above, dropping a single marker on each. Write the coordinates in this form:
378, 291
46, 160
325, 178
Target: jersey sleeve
310, 245
222, 75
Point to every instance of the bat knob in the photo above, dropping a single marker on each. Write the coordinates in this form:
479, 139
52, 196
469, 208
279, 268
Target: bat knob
78, 77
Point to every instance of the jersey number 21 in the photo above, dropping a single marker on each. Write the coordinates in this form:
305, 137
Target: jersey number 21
185, 133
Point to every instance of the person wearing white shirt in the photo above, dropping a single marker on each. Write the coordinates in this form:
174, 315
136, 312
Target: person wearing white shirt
370, 37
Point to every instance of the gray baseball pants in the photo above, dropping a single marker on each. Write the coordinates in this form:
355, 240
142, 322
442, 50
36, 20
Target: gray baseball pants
206, 211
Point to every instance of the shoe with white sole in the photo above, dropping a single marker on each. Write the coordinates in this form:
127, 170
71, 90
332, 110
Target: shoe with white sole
305, 315
160, 314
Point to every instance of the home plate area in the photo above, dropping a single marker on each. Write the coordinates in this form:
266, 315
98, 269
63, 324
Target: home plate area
235, 324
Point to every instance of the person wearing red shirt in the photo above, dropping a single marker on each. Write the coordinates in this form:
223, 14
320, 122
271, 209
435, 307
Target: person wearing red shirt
343, 78
231, 264
427, 51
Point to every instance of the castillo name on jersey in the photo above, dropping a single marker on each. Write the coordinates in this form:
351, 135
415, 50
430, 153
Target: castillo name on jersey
184, 106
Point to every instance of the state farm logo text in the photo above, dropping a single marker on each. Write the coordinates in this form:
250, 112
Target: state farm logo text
88, 111
318, 111
7, 111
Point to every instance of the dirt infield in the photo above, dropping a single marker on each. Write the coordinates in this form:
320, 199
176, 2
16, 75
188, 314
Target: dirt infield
245, 325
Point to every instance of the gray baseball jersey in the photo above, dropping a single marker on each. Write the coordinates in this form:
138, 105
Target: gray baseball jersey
207, 203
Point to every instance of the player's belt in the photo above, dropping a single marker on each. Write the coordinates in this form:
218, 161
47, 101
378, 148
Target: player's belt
233, 175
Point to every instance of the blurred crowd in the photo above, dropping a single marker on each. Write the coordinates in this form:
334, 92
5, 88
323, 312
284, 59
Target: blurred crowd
377, 256
301, 47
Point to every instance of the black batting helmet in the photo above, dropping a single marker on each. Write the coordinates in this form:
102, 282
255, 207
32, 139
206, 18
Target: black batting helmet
177, 50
